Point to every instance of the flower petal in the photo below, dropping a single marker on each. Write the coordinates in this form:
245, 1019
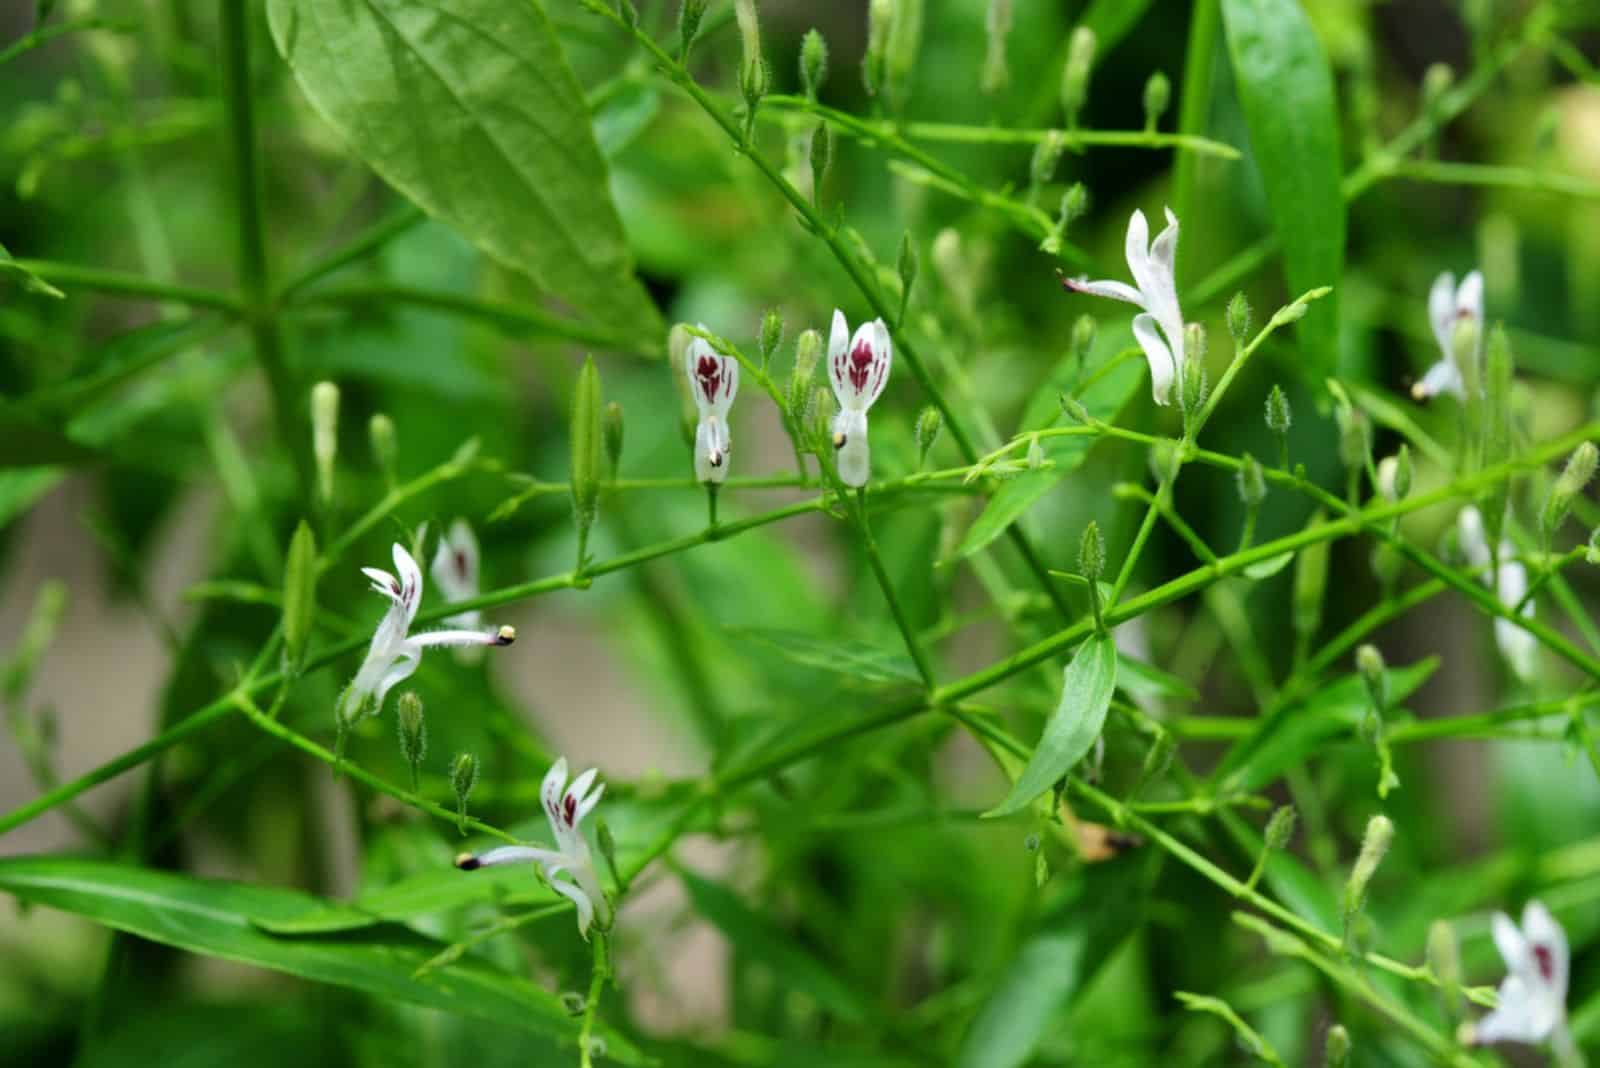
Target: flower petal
574, 793
1517, 1016
711, 448
572, 892
1105, 288
1164, 250
853, 456
1469, 533
509, 855
1509, 940
455, 563
555, 780
1442, 310
1137, 248
1469, 298
1545, 934
401, 668
1163, 369
1442, 377
587, 804
435, 638
410, 575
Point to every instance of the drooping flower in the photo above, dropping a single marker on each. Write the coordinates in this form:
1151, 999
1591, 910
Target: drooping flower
1510, 585
394, 654
858, 367
713, 382
565, 806
455, 570
1154, 265
1531, 1005
1449, 305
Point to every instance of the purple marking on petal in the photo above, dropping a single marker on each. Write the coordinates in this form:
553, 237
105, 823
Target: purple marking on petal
860, 365
569, 808
1546, 961
708, 371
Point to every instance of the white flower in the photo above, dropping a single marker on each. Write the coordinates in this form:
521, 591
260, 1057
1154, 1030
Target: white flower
393, 654
455, 571
858, 367
713, 381
1520, 648
1448, 305
1531, 1005
1153, 265
565, 807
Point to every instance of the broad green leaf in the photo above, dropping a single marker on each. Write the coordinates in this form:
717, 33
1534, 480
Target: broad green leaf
1285, 86
755, 935
839, 656
221, 919
624, 115
469, 108
1055, 964
1110, 385
416, 895
1293, 733
1087, 685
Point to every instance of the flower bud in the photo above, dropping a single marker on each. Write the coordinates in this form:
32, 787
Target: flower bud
1193, 386
1310, 583
744, 12
1280, 828
813, 62
463, 777
1373, 676
1046, 157
1252, 483
1163, 460
905, 39
1279, 417
586, 444
907, 264
1091, 553
385, 446
821, 429
299, 595
996, 25
1083, 336
1336, 1047
1436, 81
1239, 318
807, 350
325, 434
1577, 474
1465, 340
1075, 410
1394, 475
413, 731
1355, 436
1075, 75
1444, 960
612, 430
1157, 95
1374, 844
821, 154
929, 423
771, 334
1035, 454
880, 17
689, 16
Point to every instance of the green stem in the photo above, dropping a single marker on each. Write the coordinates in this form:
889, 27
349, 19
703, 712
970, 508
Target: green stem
287, 398
907, 631
364, 244
122, 284
591, 1004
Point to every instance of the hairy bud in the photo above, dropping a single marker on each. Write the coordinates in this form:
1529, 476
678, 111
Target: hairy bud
1239, 318
1075, 75
806, 353
996, 26
929, 423
821, 156
1092, 553
1252, 483
1157, 95
1046, 157
1336, 1047
1369, 662
1374, 845
385, 446
813, 62
463, 778
412, 728
771, 334
689, 16
1574, 477
1279, 417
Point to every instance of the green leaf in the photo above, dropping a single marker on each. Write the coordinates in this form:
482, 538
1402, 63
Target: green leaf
422, 894
1296, 731
839, 656
221, 919
755, 936
1111, 383
1139, 679
30, 282
1265, 569
469, 108
1286, 88
1087, 685
1055, 964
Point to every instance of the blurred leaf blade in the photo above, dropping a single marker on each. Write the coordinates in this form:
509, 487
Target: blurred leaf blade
469, 108
1286, 88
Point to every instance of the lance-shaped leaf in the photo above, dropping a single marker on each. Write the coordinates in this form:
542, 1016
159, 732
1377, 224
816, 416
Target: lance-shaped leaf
1087, 685
469, 108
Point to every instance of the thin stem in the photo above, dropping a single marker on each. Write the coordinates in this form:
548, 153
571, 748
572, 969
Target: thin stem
254, 279
364, 244
122, 284
907, 631
597, 979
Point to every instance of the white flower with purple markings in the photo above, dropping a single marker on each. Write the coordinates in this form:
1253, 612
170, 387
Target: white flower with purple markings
1531, 1005
566, 807
858, 368
1450, 305
1159, 328
713, 382
394, 653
